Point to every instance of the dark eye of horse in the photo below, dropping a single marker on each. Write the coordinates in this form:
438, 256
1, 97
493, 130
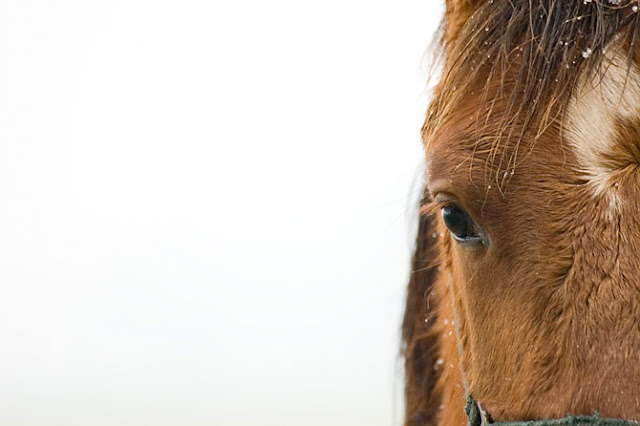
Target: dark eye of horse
462, 227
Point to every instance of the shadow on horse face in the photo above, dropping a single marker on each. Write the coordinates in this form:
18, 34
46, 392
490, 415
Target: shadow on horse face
525, 290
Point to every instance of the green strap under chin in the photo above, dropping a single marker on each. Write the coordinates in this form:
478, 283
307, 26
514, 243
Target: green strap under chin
475, 419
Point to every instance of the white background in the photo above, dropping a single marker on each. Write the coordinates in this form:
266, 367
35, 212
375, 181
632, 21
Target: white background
207, 209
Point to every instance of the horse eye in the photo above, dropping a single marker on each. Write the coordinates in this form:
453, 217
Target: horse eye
462, 227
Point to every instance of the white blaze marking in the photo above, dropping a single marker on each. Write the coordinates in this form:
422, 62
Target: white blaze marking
602, 98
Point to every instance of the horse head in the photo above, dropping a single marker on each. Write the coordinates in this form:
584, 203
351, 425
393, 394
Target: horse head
525, 288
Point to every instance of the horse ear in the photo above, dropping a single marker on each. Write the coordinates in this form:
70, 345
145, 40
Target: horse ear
456, 15
420, 342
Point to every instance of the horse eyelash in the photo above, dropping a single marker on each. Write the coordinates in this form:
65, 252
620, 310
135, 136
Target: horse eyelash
431, 207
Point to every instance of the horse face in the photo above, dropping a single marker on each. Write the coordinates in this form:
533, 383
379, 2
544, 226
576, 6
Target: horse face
532, 237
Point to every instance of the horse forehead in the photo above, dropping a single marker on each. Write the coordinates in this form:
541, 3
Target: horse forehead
453, 146
605, 102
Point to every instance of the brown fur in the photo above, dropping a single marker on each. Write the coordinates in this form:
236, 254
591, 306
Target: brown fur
548, 317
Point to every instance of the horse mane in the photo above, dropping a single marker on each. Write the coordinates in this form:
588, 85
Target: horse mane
420, 342
529, 57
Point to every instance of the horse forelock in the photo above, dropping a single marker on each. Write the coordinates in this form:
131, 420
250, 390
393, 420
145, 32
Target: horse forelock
519, 63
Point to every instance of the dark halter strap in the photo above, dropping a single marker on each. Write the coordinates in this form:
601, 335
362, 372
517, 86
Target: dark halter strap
477, 418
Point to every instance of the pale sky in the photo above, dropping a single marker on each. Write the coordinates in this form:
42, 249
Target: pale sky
207, 209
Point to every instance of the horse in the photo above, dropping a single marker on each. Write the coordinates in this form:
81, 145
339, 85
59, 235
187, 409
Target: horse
523, 302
